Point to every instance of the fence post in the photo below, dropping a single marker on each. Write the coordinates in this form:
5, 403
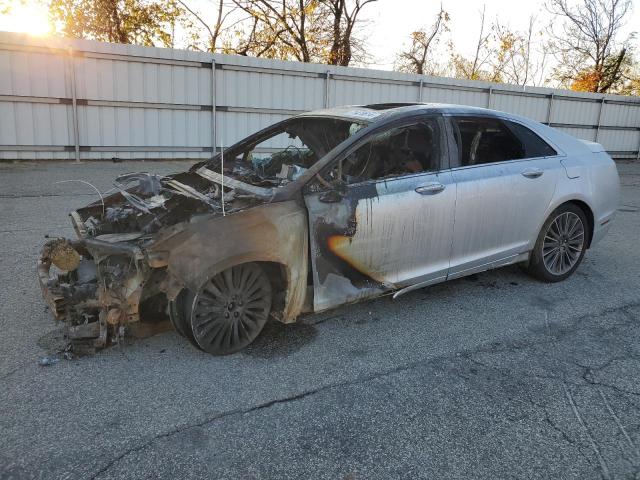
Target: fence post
489, 97
214, 129
599, 118
74, 105
550, 110
327, 90
420, 92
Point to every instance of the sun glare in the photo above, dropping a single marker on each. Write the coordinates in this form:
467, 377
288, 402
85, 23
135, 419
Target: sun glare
26, 18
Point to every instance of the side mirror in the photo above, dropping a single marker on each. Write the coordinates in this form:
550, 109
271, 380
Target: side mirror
331, 196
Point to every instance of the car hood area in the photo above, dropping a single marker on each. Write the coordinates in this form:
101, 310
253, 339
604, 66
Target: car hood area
142, 204
147, 240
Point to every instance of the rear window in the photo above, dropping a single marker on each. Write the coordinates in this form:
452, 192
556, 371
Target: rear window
534, 146
483, 140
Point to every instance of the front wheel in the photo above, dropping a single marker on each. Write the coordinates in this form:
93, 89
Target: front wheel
230, 309
561, 244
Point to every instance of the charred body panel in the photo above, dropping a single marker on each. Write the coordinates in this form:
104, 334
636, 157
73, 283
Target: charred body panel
380, 237
271, 233
336, 277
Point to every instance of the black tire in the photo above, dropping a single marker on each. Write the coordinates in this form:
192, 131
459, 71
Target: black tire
560, 247
231, 309
179, 314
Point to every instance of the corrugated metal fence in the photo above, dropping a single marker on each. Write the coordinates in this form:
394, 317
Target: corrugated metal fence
63, 99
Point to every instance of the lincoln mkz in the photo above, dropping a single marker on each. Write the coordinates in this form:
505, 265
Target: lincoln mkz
323, 209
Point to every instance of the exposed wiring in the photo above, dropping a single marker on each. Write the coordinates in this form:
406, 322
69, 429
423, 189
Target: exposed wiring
86, 183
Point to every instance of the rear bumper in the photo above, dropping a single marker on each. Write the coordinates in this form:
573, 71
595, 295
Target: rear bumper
601, 227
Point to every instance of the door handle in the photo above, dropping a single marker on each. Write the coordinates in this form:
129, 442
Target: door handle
430, 188
532, 173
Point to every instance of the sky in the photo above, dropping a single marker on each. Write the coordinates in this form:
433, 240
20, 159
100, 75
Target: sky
391, 21
388, 22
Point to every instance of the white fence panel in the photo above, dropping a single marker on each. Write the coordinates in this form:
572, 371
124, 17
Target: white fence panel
66, 99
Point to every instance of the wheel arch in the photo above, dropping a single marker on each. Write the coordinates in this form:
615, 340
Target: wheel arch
580, 202
274, 233
286, 303
586, 209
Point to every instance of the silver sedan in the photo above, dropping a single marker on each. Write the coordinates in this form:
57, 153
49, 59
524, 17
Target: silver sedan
327, 208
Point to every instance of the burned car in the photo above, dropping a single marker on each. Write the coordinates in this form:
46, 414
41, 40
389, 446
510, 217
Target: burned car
323, 209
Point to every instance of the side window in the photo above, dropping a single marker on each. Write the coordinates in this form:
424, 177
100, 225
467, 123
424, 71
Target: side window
534, 146
485, 140
400, 151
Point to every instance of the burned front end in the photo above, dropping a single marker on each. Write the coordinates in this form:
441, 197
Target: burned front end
109, 281
154, 242
96, 289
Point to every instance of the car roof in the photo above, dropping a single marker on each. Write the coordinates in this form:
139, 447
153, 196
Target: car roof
376, 112
383, 112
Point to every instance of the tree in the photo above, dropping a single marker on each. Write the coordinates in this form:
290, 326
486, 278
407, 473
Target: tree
323, 31
345, 18
142, 22
590, 56
630, 83
503, 55
291, 29
220, 33
515, 59
5, 7
475, 68
417, 58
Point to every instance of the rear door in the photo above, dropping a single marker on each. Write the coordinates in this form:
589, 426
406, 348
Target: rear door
387, 220
505, 177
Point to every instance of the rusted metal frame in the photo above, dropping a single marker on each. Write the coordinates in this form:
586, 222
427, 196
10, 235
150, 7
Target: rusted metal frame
53, 301
111, 308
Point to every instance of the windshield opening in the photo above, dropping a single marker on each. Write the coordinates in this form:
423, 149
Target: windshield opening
284, 153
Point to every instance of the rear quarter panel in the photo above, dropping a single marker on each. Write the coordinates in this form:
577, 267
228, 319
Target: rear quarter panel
590, 177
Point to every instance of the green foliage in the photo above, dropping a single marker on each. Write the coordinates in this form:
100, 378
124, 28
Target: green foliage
591, 56
6, 6
142, 22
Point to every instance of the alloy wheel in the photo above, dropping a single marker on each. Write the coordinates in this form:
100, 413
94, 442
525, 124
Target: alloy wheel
231, 308
563, 243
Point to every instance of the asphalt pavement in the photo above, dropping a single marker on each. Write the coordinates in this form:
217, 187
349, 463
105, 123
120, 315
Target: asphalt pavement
492, 376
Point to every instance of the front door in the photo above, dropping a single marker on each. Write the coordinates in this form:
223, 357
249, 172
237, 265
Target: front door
390, 224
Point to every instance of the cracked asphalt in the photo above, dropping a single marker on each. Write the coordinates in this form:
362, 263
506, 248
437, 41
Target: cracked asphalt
493, 376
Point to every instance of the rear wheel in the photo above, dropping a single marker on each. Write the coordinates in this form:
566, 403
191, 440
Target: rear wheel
561, 244
231, 308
